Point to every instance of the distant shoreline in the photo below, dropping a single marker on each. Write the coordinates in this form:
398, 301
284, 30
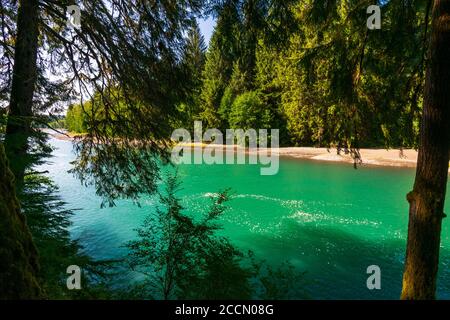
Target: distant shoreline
407, 158
68, 136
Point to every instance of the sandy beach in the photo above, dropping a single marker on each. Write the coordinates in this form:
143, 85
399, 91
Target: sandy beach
370, 157
377, 157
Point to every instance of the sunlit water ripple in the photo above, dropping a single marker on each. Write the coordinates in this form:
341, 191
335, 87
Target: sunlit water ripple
327, 219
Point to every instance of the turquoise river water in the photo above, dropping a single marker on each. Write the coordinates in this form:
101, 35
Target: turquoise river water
327, 219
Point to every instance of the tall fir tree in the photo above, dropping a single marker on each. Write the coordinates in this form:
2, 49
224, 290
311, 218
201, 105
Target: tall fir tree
193, 61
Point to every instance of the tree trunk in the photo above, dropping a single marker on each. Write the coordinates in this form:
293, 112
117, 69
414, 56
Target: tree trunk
428, 196
18, 128
18, 256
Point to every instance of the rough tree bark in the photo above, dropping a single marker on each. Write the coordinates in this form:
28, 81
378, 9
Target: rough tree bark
18, 256
20, 114
427, 198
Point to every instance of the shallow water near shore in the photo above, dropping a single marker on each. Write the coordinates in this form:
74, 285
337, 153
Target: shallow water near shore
327, 219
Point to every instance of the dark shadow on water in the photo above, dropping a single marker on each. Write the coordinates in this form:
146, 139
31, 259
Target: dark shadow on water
336, 262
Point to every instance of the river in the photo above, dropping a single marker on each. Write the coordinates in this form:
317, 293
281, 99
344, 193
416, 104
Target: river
327, 219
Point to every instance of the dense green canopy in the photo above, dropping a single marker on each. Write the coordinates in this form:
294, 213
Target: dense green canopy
333, 82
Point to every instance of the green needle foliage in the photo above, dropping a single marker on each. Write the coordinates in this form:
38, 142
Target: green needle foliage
49, 224
310, 68
330, 81
182, 257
